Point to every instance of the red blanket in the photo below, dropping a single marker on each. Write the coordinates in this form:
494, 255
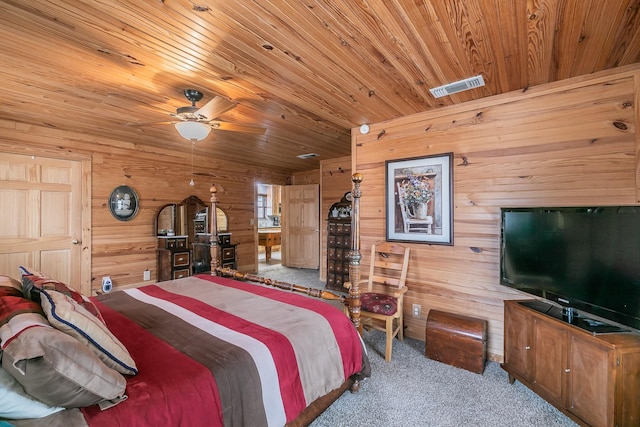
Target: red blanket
217, 352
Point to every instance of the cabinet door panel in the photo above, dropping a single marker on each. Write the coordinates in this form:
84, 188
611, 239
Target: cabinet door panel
517, 340
590, 384
550, 361
629, 377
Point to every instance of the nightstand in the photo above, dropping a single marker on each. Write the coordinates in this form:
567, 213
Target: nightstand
174, 258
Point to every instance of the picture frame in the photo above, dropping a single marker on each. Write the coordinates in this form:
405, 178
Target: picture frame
123, 203
419, 199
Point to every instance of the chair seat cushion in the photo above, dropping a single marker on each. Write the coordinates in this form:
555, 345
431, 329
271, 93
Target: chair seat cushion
378, 303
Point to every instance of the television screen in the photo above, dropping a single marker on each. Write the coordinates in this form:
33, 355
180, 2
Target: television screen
587, 258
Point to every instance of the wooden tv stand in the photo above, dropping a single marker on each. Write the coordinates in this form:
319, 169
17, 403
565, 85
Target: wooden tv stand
593, 378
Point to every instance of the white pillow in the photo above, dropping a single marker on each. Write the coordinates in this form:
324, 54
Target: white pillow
16, 404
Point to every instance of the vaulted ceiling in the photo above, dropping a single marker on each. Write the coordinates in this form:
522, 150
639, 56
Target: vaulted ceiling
308, 71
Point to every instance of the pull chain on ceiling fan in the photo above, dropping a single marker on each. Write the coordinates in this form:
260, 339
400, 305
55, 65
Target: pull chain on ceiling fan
193, 144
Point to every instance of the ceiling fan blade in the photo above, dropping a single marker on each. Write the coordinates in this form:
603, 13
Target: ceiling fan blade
150, 123
216, 107
233, 127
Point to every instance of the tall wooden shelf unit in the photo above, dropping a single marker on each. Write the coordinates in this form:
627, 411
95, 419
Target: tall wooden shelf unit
338, 243
593, 378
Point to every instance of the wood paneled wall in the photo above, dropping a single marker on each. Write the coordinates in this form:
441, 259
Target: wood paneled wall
306, 177
568, 143
123, 250
572, 143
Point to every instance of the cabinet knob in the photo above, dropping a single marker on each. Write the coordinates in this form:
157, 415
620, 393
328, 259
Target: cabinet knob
528, 347
75, 241
567, 370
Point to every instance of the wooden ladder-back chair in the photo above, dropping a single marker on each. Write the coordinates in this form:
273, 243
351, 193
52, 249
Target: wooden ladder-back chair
382, 298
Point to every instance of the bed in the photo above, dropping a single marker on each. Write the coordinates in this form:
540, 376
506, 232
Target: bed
204, 350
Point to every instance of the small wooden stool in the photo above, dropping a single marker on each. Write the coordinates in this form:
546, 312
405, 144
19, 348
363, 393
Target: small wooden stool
456, 340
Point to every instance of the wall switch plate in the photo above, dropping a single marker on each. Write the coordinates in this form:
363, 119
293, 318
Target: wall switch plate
107, 285
416, 310
146, 275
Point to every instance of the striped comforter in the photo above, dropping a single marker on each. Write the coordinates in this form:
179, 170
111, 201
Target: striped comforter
213, 351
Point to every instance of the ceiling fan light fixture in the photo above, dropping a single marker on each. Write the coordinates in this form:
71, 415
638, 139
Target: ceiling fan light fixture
193, 130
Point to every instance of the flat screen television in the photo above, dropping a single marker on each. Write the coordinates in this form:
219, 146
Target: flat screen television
583, 258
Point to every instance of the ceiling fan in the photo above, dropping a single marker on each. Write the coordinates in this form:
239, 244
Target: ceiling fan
194, 123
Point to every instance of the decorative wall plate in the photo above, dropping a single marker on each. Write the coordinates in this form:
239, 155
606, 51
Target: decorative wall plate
123, 203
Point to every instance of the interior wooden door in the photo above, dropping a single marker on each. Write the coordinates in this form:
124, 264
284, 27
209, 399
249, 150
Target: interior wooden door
301, 226
43, 224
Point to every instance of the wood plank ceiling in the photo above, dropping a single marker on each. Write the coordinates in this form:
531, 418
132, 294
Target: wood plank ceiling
306, 70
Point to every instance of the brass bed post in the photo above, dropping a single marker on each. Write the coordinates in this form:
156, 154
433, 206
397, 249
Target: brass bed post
213, 240
354, 255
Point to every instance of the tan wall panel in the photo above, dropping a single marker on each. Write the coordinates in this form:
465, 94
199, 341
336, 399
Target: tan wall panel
306, 177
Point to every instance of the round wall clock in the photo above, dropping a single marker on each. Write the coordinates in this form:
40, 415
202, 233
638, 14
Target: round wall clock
123, 203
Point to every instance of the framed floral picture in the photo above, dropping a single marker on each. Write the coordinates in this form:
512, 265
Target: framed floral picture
420, 200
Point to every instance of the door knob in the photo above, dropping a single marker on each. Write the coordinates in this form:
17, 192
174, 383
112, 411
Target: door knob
75, 241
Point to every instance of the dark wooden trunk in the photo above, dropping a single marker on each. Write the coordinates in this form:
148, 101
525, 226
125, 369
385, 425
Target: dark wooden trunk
456, 340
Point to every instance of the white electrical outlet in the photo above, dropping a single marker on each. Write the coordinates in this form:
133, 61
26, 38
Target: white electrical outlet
146, 275
107, 285
416, 310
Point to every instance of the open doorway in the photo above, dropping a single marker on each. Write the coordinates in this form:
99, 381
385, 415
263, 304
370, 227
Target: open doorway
288, 245
269, 211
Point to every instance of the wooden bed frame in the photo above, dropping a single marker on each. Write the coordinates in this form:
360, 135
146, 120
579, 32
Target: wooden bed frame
352, 300
75, 416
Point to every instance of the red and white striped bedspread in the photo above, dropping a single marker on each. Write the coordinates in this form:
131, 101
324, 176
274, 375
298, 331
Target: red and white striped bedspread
217, 352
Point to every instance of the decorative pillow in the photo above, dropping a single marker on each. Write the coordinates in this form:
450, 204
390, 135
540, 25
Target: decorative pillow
58, 370
68, 316
17, 314
16, 404
378, 303
34, 282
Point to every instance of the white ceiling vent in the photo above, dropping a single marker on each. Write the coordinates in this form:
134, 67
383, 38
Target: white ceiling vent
459, 86
307, 156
